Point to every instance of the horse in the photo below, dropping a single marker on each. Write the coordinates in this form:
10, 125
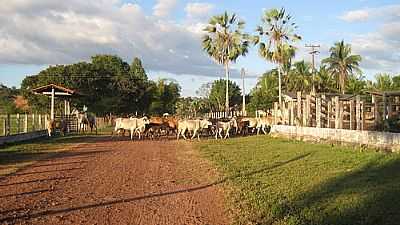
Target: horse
85, 120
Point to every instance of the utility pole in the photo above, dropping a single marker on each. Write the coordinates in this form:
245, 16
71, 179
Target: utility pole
242, 74
313, 52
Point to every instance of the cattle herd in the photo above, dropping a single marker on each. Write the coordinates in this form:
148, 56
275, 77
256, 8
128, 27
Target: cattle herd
167, 126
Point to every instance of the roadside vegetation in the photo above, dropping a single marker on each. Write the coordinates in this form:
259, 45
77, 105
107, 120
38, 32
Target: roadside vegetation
279, 181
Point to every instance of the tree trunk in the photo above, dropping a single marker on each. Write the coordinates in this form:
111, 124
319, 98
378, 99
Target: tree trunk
227, 88
280, 85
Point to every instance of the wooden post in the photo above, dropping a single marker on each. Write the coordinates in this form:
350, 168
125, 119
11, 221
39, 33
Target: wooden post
362, 116
390, 109
303, 105
8, 130
337, 111
33, 122
26, 123
352, 114
358, 113
5, 126
52, 104
341, 110
299, 105
292, 113
40, 122
308, 110
275, 112
328, 114
18, 124
318, 111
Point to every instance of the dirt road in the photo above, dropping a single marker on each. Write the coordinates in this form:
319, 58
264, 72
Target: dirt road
105, 181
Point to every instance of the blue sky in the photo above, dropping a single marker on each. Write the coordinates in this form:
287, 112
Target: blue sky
166, 34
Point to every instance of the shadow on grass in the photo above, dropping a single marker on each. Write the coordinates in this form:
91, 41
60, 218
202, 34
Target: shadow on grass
149, 196
370, 195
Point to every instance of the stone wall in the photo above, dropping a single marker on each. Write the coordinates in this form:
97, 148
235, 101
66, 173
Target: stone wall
22, 137
384, 140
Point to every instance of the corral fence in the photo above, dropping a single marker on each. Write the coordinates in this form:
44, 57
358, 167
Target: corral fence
221, 115
353, 112
14, 124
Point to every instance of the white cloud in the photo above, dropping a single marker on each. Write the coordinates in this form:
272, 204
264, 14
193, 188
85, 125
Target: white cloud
45, 32
356, 15
198, 10
163, 8
389, 12
379, 48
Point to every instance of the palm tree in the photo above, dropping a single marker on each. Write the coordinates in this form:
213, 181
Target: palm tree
324, 81
275, 36
299, 77
342, 63
225, 41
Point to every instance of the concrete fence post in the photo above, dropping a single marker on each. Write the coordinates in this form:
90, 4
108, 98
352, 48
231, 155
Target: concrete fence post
40, 127
33, 122
8, 130
4, 126
18, 124
26, 123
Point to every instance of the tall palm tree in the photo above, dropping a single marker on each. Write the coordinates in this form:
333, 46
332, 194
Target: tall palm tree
275, 37
225, 41
342, 63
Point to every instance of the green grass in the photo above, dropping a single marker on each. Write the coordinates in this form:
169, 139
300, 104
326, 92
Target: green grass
279, 181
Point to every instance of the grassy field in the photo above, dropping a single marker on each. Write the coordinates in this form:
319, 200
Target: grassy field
279, 181
19, 155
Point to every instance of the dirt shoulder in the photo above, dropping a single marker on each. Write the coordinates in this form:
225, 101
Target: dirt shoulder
115, 182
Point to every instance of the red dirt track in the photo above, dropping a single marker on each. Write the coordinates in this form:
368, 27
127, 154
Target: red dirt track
104, 181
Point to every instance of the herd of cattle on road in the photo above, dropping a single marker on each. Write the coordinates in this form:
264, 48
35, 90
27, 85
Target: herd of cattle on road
157, 127
166, 126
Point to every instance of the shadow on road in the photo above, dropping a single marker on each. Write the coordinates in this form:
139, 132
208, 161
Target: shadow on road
149, 196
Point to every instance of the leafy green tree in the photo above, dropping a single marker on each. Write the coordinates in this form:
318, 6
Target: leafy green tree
299, 78
342, 63
275, 37
7, 98
324, 81
265, 93
217, 95
165, 94
383, 82
225, 41
106, 84
356, 85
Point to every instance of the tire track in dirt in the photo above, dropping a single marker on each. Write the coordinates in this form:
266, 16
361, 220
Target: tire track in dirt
115, 182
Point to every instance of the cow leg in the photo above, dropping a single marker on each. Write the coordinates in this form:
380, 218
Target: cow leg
194, 134
227, 133
263, 129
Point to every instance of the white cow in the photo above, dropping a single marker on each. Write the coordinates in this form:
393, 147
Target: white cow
195, 126
225, 127
263, 123
134, 125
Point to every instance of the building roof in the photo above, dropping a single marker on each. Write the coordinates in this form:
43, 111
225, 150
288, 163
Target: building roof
59, 90
384, 93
